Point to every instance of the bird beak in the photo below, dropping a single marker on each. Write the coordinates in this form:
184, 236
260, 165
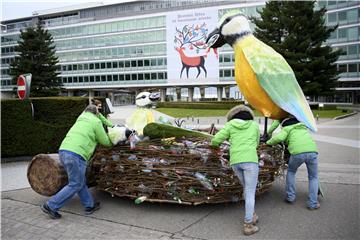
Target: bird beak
154, 96
215, 39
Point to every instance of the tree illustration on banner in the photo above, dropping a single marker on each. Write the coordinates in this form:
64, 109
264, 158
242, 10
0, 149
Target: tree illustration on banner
190, 43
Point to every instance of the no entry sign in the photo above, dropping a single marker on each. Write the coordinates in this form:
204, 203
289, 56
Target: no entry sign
23, 86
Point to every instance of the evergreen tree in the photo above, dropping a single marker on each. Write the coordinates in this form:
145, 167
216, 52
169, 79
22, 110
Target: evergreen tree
37, 56
298, 32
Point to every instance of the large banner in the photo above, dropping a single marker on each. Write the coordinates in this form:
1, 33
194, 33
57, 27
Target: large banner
189, 60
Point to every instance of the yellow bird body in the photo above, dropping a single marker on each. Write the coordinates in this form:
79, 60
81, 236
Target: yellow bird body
249, 85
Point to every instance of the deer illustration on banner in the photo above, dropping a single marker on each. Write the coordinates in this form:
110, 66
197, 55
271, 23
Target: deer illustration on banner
190, 43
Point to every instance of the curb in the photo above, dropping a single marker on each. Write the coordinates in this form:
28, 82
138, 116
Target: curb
16, 159
345, 116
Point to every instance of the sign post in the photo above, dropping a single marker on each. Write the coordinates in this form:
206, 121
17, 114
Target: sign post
23, 86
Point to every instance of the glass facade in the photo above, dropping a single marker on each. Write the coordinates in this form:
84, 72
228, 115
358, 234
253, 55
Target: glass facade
104, 46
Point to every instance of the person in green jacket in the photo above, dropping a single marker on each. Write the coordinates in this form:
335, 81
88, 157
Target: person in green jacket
103, 119
243, 134
74, 153
302, 149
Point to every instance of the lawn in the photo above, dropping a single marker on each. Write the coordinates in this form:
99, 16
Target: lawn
185, 112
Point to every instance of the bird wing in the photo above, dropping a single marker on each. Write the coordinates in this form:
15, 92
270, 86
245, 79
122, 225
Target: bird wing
278, 80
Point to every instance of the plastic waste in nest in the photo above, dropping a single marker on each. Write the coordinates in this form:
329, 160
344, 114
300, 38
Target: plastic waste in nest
132, 157
193, 191
140, 199
204, 181
261, 163
133, 139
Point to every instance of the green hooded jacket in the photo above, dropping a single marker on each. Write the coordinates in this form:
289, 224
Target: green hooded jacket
244, 139
297, 137
105, 121
84, 135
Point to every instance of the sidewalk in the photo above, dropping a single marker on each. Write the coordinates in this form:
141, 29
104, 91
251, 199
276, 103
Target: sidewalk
119, 218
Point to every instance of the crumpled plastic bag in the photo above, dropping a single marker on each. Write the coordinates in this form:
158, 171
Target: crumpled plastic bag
117, 134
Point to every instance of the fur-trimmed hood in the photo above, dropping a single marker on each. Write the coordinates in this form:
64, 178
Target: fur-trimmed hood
230, 115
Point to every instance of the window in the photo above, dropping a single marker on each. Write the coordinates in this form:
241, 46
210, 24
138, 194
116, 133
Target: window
342, 17
127, 64
343, 33
102, 65
353, 69
140, 76
147, 76
133, 63
115, 77
352, 15
332, 18
121, 77
86, 79
91, 78
127, 77
352, 50
109, 78
161, 75
353, 33
86, 66
160, 61
80, 67
342, 68
153, 62
134, 77
115, 64
103, 78
146, 62
108, 65
91, 66
227, 73
121, 64
153, 76
81, 79
140, 63
97, 78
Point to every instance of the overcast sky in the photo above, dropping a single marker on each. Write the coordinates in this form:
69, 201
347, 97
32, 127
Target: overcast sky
11, 9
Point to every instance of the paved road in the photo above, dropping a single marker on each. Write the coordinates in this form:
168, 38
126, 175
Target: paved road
120, 218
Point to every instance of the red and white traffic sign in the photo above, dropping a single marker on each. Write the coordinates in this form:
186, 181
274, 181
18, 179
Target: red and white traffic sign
23, 86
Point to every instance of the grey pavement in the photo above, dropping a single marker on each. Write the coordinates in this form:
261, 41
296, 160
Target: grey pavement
120, 218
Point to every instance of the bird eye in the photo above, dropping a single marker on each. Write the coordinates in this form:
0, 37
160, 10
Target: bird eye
227, 20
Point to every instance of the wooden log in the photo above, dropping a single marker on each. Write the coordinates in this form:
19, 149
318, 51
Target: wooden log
47, 175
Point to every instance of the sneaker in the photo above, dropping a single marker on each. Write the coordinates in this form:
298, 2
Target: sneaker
90, 210
53, 214
314, 208
250, 228
288, 201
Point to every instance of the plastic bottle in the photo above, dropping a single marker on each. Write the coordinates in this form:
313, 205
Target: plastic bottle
133, 139
204, 181
140, 199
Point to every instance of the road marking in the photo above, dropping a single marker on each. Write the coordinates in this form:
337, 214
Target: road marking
336, 140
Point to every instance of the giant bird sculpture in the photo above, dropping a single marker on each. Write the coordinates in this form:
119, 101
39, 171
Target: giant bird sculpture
142, 115
264, 77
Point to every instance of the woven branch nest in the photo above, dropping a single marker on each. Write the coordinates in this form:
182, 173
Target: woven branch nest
178, 170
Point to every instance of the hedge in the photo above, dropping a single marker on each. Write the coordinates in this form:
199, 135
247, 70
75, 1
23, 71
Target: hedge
23, 135
200, 105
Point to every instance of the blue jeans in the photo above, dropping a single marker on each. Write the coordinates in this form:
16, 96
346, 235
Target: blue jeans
248, 176
310, 159
75, 167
